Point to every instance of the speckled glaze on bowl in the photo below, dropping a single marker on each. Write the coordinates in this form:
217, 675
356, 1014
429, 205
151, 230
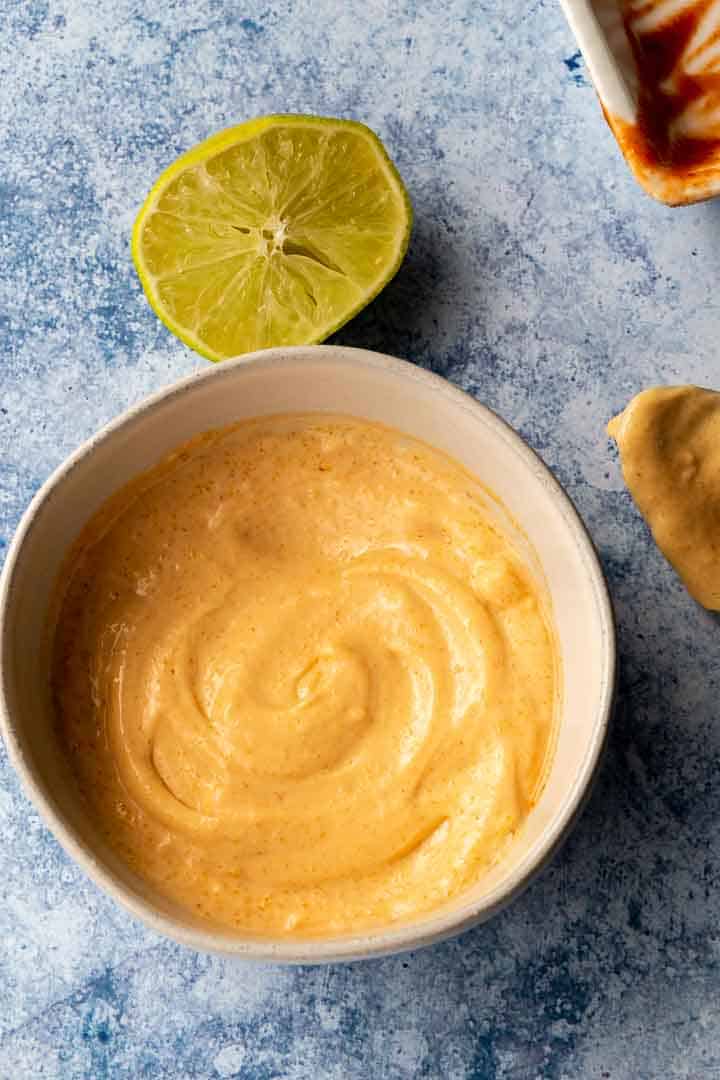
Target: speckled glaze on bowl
326, 379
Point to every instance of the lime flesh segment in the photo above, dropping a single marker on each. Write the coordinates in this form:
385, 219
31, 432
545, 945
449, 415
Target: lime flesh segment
272, 233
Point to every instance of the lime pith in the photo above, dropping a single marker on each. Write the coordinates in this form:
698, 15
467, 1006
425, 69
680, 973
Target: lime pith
275, 232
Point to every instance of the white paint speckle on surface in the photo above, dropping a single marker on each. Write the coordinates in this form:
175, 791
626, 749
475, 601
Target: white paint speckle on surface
230, 1059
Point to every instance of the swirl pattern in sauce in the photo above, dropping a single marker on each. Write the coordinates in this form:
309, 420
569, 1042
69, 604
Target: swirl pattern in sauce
305, 682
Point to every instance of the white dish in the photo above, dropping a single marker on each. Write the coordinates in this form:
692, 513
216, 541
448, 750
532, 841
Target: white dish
602, 29
337, 380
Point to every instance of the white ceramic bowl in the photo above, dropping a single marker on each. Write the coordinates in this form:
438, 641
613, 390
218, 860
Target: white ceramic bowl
339, 380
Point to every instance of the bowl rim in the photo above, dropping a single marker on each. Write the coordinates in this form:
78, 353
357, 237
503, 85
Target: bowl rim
382, 940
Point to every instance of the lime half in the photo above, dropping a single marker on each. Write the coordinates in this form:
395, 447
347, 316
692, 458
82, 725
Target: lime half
275, 232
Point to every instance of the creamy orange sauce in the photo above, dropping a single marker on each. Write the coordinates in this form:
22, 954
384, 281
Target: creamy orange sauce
669, 442
305, 681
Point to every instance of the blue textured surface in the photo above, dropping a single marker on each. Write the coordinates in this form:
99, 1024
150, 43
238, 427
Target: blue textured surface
541, 279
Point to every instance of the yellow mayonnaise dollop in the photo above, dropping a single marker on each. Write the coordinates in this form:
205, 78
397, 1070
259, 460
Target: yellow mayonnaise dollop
669, 443
304, 680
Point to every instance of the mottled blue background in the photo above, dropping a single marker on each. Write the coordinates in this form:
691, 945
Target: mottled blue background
541, 279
